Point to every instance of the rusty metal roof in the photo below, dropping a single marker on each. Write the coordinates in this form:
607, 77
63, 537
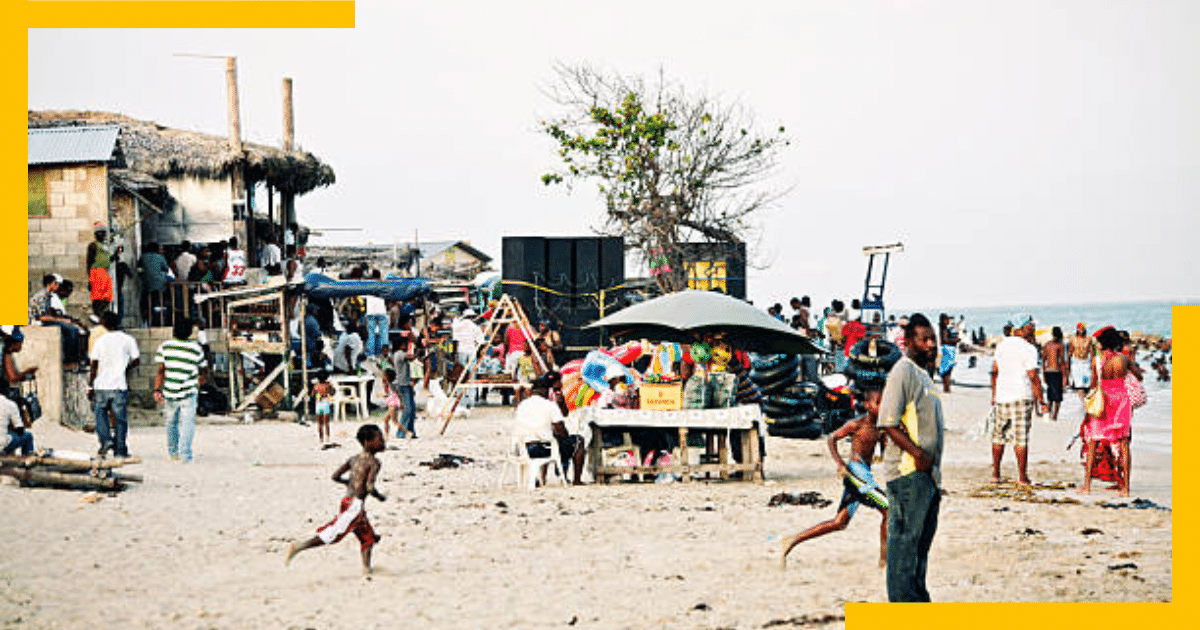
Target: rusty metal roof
73, 145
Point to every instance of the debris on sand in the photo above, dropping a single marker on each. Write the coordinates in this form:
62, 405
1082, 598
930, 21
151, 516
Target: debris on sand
1136, 504
447, 460
806, 620
800, 498
1026, 494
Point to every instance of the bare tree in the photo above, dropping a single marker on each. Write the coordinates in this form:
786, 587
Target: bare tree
673, 167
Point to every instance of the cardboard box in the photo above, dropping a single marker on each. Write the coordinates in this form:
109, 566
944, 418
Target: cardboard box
661, 397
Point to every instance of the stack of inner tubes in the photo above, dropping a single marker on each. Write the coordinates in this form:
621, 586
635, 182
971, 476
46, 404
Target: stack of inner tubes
791, 407
870, 361
774, 372
747, 391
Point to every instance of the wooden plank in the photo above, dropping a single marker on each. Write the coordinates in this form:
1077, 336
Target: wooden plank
262, 387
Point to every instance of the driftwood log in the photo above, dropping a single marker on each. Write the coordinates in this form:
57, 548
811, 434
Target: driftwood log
29, 461
65, 472
80, 481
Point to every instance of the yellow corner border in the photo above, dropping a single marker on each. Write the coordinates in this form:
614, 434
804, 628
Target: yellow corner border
190, 14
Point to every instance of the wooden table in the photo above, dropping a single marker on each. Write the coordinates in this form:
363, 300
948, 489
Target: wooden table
744, 421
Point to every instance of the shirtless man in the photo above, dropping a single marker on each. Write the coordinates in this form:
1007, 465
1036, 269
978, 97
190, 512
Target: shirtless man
1054, 363
1083, 348
860, 486
363, 469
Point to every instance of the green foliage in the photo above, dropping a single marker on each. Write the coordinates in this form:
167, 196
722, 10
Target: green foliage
670, 167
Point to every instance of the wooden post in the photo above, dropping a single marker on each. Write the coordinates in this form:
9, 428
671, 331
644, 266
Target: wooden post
303, 349
287, 200
723, 454
597, 453
231, 93
683, 455
289, 125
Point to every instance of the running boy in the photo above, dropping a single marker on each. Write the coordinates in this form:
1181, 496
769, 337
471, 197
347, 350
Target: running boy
859, 485
322, 393
352, 517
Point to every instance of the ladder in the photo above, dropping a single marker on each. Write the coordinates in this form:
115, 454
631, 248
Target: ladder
507, 311
872, 299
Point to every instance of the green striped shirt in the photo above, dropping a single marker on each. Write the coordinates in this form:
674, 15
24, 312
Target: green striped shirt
181, 367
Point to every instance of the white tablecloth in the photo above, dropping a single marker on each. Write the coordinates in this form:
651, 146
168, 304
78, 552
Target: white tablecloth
740, 417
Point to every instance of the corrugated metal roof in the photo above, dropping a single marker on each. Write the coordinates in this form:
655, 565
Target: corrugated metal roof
71, 145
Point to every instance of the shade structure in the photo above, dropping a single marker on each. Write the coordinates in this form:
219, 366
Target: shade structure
319, 286
684, 315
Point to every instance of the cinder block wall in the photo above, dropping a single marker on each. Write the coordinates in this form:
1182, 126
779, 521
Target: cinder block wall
141, 379
77, 197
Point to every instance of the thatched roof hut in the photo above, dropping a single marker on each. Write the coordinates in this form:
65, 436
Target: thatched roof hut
153, 149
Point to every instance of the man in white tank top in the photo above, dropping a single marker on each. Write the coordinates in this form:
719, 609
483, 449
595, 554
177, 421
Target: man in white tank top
235, 263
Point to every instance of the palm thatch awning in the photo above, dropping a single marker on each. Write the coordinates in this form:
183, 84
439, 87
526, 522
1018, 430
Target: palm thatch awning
153, 149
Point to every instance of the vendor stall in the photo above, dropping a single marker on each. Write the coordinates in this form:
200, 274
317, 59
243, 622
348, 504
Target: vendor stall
716, 327
736, 430
255, 323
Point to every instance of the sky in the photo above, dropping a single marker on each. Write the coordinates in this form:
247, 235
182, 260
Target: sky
1023, 152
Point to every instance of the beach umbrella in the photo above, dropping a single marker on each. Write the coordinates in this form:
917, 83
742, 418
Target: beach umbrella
684, 315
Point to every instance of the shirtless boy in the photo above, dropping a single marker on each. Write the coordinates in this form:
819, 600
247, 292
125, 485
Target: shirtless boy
1083, 348
1054, 363
859, 485
352, 517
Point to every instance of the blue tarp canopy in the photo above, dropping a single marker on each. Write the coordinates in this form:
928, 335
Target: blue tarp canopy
321, 286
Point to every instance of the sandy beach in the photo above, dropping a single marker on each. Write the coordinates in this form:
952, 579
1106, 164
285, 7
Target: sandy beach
202, 545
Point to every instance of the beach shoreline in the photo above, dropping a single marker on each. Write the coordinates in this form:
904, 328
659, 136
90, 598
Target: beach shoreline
202, 545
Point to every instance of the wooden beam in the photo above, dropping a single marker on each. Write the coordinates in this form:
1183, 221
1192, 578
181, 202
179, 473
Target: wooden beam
262, 387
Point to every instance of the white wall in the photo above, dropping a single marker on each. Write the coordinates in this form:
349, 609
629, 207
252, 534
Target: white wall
202, 212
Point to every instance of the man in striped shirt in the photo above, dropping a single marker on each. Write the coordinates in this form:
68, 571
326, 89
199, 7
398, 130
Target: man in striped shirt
181, 371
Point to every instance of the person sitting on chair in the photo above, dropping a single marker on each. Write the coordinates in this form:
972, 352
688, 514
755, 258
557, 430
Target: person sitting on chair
539, 420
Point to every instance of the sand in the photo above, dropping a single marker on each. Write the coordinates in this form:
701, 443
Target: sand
202, 545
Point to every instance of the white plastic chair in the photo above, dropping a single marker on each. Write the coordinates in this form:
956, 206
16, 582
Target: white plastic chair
343, 395
527, 468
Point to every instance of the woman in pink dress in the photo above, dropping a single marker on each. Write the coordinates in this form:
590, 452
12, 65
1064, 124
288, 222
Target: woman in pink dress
1114, 426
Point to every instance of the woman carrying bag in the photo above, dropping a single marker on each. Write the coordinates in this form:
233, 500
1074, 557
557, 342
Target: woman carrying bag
1114, 424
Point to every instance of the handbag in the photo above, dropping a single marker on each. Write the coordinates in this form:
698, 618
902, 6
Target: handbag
35, 406
1093, 403
1135, 389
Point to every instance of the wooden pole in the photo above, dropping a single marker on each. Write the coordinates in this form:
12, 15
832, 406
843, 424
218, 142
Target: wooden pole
235, 121
289, 124
287, 213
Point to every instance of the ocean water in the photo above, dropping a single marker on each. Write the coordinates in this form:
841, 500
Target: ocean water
1152, 423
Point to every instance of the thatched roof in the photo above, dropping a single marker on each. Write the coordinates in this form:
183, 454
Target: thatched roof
160, 151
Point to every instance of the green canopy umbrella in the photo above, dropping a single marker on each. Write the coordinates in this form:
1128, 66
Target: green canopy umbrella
683, 316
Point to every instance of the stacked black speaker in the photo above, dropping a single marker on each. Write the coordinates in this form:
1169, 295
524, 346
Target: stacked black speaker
559, 279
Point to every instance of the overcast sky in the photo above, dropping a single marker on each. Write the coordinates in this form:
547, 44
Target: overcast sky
1023, 152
